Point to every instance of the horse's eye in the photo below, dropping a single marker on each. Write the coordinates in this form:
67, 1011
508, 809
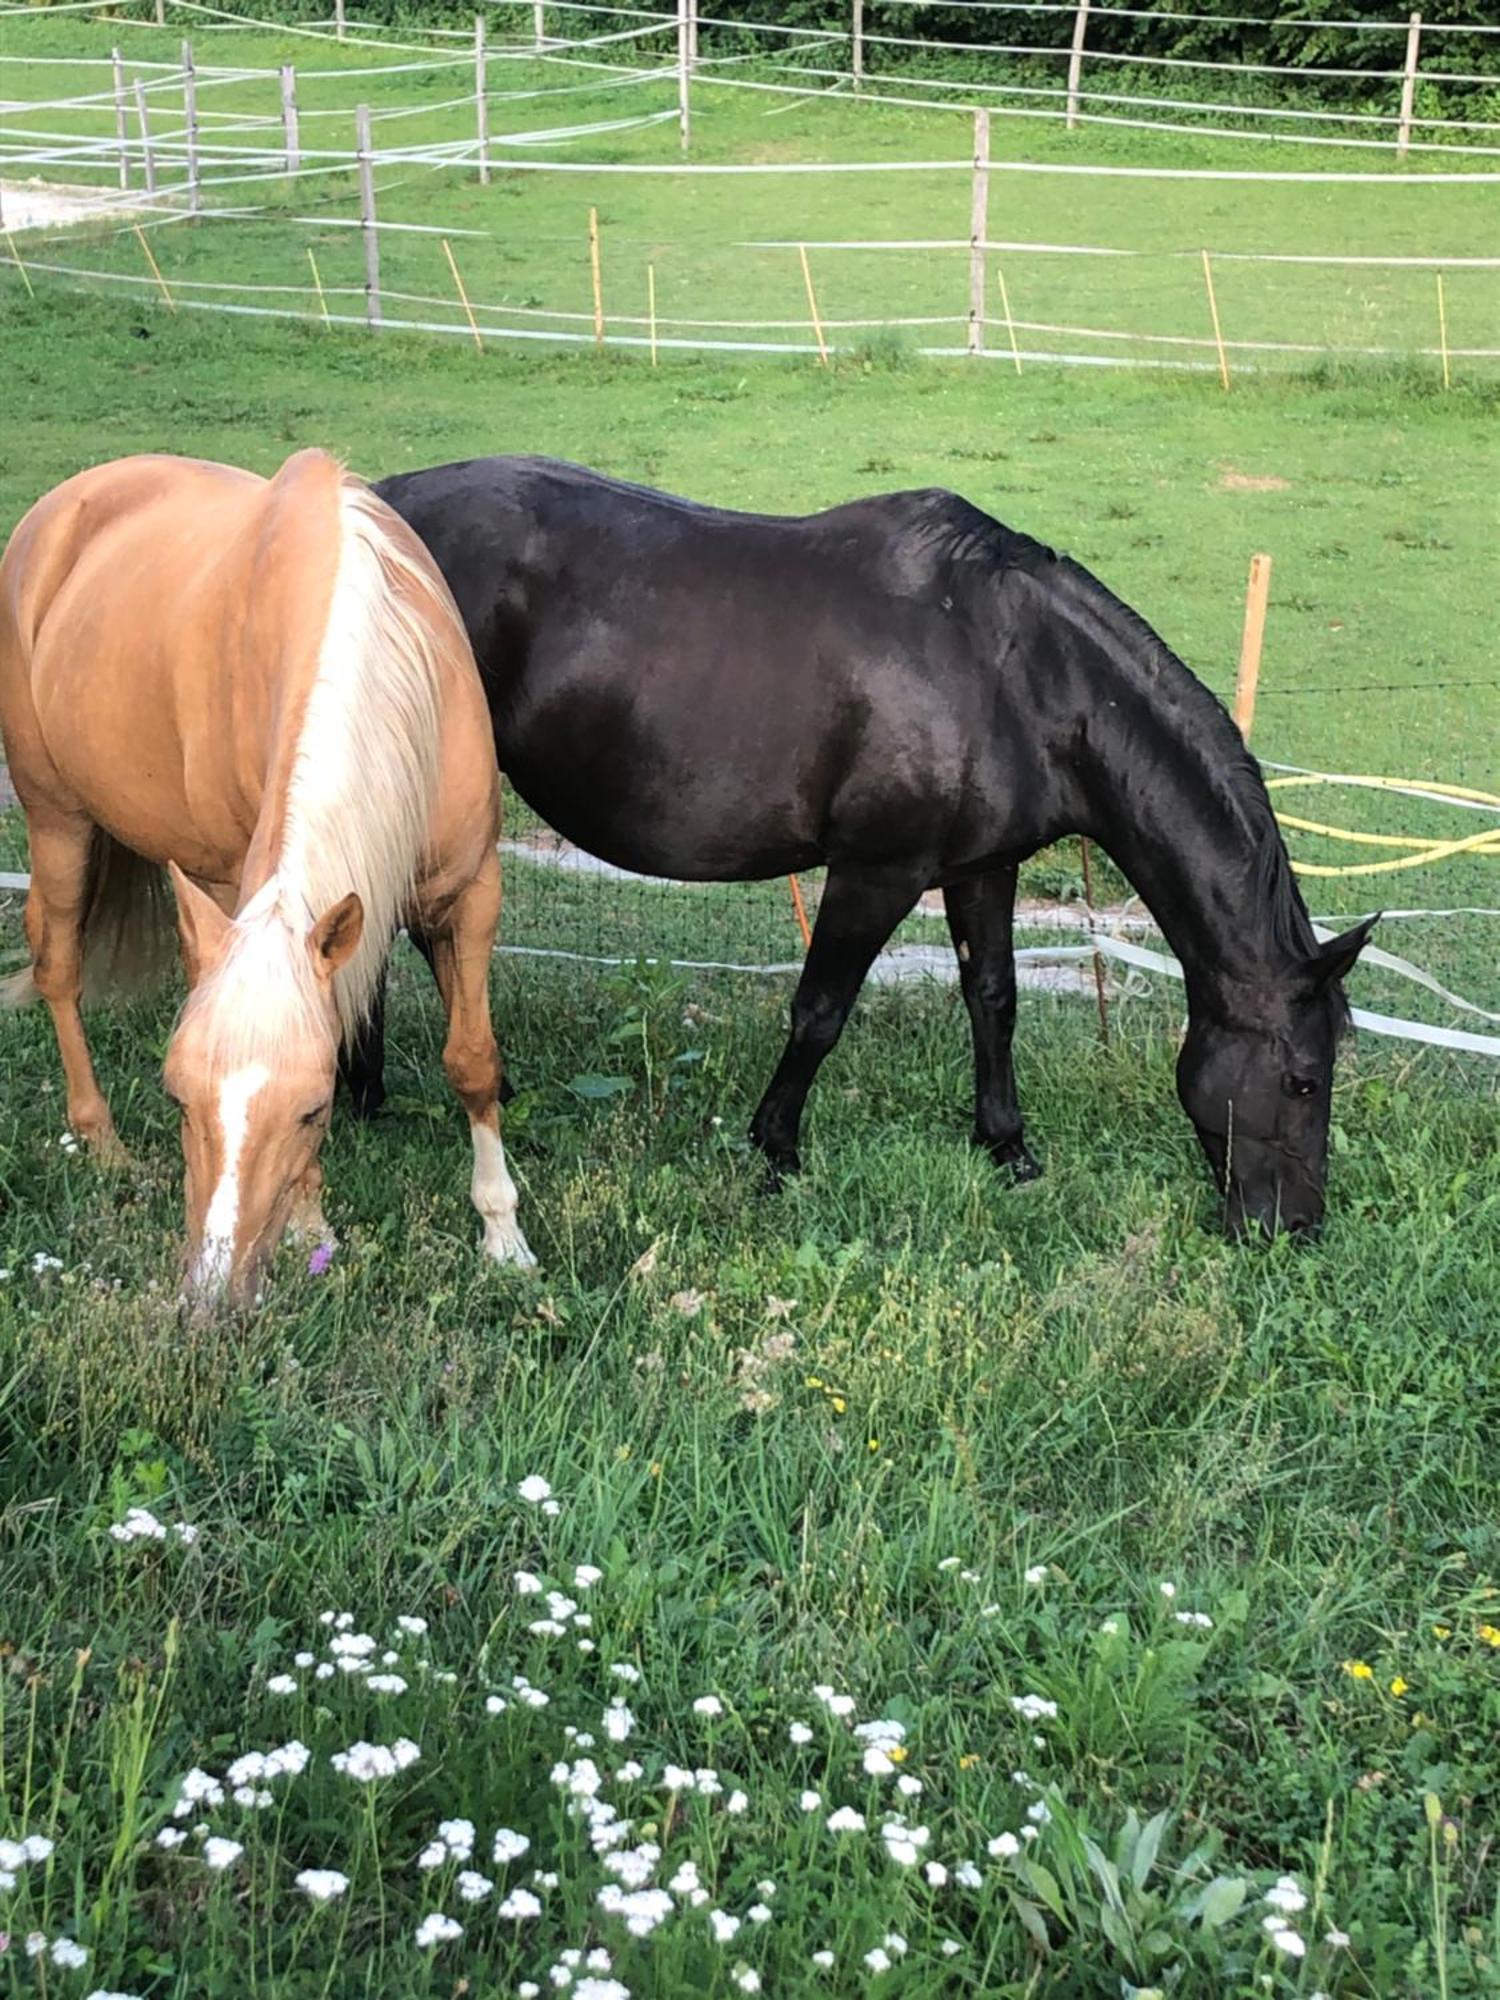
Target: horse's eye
1299, 1086
319, 1111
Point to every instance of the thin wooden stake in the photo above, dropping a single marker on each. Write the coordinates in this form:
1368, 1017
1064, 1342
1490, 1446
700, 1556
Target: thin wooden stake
1075, 61
155, 269
481, 103
597, 276
651, 301
812, 304
684, 67
1088, 903
979, 212
800, 908
291, 136
190, 114
1010, 325
458, 280
1213, 307
318, 282
857, 43
1443, 330
1408, 85
122, 134
15, 258
143, 119
1247, 680
369, 228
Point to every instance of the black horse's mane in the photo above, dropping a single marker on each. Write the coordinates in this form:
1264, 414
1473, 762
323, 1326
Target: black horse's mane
1275, 886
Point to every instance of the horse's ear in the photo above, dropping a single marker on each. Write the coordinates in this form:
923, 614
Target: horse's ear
201, 925
334, 938
1335, 959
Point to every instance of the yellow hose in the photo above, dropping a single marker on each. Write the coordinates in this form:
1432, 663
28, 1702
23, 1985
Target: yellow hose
1425, 852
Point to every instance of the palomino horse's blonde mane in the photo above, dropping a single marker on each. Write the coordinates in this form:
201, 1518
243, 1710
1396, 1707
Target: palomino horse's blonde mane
359, 799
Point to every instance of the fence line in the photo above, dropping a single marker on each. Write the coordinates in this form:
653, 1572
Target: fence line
705, 66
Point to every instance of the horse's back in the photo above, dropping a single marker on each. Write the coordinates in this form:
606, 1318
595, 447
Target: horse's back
700, 691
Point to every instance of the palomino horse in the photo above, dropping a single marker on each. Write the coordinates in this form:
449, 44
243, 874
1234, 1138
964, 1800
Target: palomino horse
263, 685
917, 696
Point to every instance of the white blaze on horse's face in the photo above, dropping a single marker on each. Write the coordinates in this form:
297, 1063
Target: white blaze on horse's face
253, 1064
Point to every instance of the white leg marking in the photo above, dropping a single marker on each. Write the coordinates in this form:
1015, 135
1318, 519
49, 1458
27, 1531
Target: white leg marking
494, 1195
215, 1257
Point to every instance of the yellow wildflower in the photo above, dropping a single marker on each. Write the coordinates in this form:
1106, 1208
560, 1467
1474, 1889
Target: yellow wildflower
1398, 1687
1490, 1634
1442, 1631
968, 1760
1359, 1670
875, 1446
896, 1752
838, 1405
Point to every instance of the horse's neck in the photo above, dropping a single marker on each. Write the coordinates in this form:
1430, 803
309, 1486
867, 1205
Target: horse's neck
1166, 794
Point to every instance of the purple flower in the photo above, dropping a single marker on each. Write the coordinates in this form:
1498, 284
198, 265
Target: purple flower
319, 1261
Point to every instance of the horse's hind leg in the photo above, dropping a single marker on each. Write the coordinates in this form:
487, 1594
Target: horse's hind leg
362, 1063
980, 917
859, 910
56, 910
461, 953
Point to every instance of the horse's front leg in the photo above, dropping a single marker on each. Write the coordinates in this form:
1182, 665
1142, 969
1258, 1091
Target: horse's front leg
859, 910
981, 915
462, 947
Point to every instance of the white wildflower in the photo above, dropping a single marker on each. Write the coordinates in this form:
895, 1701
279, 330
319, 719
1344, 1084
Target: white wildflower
321, 1884
509, 1846
708, 1704
281, 1684
586, 1575
878, 1960
725, 1927
1287, 1896
437, 1929
534, 1489
1005, 1846
220, 1853
845, 1820
800, 1733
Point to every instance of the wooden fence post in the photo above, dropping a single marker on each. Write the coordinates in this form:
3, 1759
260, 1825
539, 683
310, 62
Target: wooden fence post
338, 18
692, 7
1213, 313
1075, 61
122, 133
367, 215
539, 24
684, 110
598, 277
161, 13
857, 43
1248, 678
481, 103
1443, 331
143, 121
1409, 84
190, 116
979, 229
290, 134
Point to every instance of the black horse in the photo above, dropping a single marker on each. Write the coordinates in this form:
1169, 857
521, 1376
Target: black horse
919, 697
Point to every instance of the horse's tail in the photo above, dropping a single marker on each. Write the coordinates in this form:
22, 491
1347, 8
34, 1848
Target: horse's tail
127, 927
128, 933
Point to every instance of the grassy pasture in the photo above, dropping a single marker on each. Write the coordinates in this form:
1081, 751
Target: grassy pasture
824, 1440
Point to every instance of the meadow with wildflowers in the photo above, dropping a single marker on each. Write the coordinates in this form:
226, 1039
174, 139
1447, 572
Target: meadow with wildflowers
910, 1586
906, 1586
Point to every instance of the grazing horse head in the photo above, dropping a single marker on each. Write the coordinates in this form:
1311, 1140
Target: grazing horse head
1258, 1090
252, 1064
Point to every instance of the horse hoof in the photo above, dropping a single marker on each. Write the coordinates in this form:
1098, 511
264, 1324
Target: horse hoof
779, 1169
1015, 1156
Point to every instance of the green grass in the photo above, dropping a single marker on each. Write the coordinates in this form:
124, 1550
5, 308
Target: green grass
822, 1438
